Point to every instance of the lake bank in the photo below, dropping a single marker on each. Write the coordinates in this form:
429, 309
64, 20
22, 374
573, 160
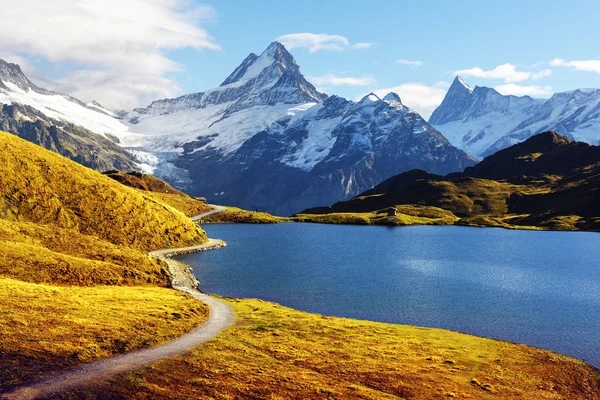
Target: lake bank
444, 290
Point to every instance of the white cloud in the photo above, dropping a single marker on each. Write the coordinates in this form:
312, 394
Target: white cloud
143, 88
362, 46
541, 74
508, 72
410, 62
334, 80
108, 45
418, 96
518, 90
320, 41
314, 41
582, 65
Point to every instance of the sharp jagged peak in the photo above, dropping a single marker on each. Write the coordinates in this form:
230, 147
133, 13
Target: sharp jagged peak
457, 97
460, 84
392, 97
274, 56
276, 50
370, 98
12, 73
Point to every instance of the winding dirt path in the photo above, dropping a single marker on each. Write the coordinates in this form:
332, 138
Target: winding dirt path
220, 317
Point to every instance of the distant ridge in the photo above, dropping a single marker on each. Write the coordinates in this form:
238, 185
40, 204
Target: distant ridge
547, 181
482, 121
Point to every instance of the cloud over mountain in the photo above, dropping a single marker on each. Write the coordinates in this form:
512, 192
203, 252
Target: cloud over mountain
116, 47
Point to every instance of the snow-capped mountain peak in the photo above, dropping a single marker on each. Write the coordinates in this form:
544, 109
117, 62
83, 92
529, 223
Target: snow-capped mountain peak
16, 88
369, 98
460, 84
392, 97
12, 74
266, 80
274, 61
482, 121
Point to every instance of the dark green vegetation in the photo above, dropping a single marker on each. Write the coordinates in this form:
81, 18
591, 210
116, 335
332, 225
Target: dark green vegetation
546, 182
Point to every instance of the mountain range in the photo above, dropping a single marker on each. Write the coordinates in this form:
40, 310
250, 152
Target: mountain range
265, 139
482, 121
547, 181
86, 133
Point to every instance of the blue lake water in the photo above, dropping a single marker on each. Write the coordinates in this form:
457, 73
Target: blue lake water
538, 288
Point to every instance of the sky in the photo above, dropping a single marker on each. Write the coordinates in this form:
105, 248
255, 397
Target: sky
127, 53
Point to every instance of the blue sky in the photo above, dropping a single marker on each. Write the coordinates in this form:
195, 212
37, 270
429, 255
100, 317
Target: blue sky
176, 46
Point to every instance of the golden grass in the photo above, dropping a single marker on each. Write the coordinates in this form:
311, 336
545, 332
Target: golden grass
39, 186
237, 215
274, 352
38, 253
187, 205
407, 215
46, 328
161, 191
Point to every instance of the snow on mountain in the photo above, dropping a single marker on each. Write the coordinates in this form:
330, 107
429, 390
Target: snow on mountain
481, 121
267, 139
86, 133
320, 153
264, 139
258, 92
15, 87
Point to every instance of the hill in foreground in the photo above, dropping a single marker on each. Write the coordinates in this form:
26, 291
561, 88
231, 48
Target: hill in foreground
63, 223
44, 188
547, 182
274, 352
161, 191
76, 283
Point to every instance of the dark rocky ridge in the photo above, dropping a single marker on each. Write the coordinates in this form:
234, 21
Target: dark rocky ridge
544, 181
69, 140
373, 140
72, 141
358, 144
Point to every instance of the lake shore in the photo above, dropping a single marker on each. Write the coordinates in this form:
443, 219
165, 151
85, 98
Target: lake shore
303, 352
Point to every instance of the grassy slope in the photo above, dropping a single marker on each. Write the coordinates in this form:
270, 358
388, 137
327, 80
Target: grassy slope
407, 215
42, 187
161, 192
47, 328
63, 226
276, 352
239, 216
473, 202
44, 253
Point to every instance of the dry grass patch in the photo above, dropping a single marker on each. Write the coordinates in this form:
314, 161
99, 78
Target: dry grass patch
47, 328
185, 204
239, 216
38, 253
39, 186
274, 352
161, 191
407, 215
